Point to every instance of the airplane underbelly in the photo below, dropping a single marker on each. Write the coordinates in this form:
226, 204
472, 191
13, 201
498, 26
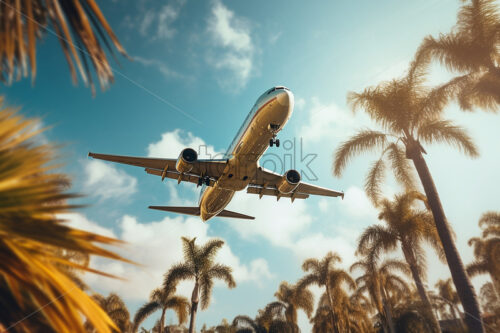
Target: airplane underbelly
214, 200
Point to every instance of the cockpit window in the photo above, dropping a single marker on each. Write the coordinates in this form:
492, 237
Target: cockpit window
277, 88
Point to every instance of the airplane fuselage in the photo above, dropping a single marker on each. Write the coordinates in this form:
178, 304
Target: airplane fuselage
266, 118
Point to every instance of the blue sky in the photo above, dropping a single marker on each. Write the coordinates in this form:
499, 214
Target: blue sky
198, 69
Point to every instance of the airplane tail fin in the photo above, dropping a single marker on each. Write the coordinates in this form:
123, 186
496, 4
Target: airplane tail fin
195, 211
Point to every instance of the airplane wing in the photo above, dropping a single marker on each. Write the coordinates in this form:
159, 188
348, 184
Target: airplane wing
265, 183
165, 167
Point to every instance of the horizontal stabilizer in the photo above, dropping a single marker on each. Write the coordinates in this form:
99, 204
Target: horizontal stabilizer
181, 210
228, 213
196, 212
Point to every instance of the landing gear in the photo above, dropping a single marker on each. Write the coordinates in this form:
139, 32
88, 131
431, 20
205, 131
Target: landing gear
274, 141
274, 129
204, 180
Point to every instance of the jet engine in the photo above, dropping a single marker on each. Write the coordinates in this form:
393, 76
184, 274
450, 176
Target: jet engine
186, 159
289, 182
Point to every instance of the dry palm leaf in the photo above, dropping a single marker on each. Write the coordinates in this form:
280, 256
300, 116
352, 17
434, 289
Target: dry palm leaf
32, 274
79, 25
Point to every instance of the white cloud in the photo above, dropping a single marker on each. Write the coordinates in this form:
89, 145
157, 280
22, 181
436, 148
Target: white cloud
278, 222
232, 34
156, 246
157, 23
327, 122
80, 221
172, 143
357, 204
105, 181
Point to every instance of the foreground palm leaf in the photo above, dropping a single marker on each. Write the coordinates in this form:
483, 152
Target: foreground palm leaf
31, 272
410, 115
79, 25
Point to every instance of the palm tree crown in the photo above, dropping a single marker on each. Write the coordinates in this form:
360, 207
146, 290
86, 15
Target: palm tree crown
199, 265
487, 249
163, 300
473, 48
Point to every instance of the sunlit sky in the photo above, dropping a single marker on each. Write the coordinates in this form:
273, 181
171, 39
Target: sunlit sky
198, 68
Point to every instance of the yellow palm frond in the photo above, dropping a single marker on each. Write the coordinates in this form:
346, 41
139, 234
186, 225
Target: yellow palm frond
79, 25
31, 196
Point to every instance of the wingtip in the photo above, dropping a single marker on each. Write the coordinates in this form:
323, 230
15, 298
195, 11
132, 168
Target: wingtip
90, 154
343, 195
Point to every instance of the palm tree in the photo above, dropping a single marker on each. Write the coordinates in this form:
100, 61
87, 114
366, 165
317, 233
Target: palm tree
472, 48
32, 195
161, 299
79, 25
351, 314
383, 285
411, 114
116, 309
487, 249
448, 294
409, 227
295, 297
199, 266
489, 299
248, 325
321, 273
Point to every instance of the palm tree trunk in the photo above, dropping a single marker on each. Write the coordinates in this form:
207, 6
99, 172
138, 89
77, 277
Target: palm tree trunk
162, 320
194, 307
334, 324
387, 310
412, 262
462, 282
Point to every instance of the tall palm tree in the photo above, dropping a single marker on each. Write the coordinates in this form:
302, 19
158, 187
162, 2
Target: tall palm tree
199, 266
411, 114
161, 299
295, 297
116, 309
79, 25
320, 274
382, 284
487, 249
32, 194
472, 48
409, 227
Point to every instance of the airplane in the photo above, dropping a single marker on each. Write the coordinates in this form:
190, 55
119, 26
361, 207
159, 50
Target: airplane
239, 168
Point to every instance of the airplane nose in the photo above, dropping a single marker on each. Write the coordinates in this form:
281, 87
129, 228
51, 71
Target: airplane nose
285, 98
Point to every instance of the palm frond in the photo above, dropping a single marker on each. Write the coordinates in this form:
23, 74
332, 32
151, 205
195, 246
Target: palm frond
490, 219
178, 272
79, 25
403, 172
180, 305
444, 131
374, 179
359, 143
143, 312
32, 195
222, 272
477, 268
